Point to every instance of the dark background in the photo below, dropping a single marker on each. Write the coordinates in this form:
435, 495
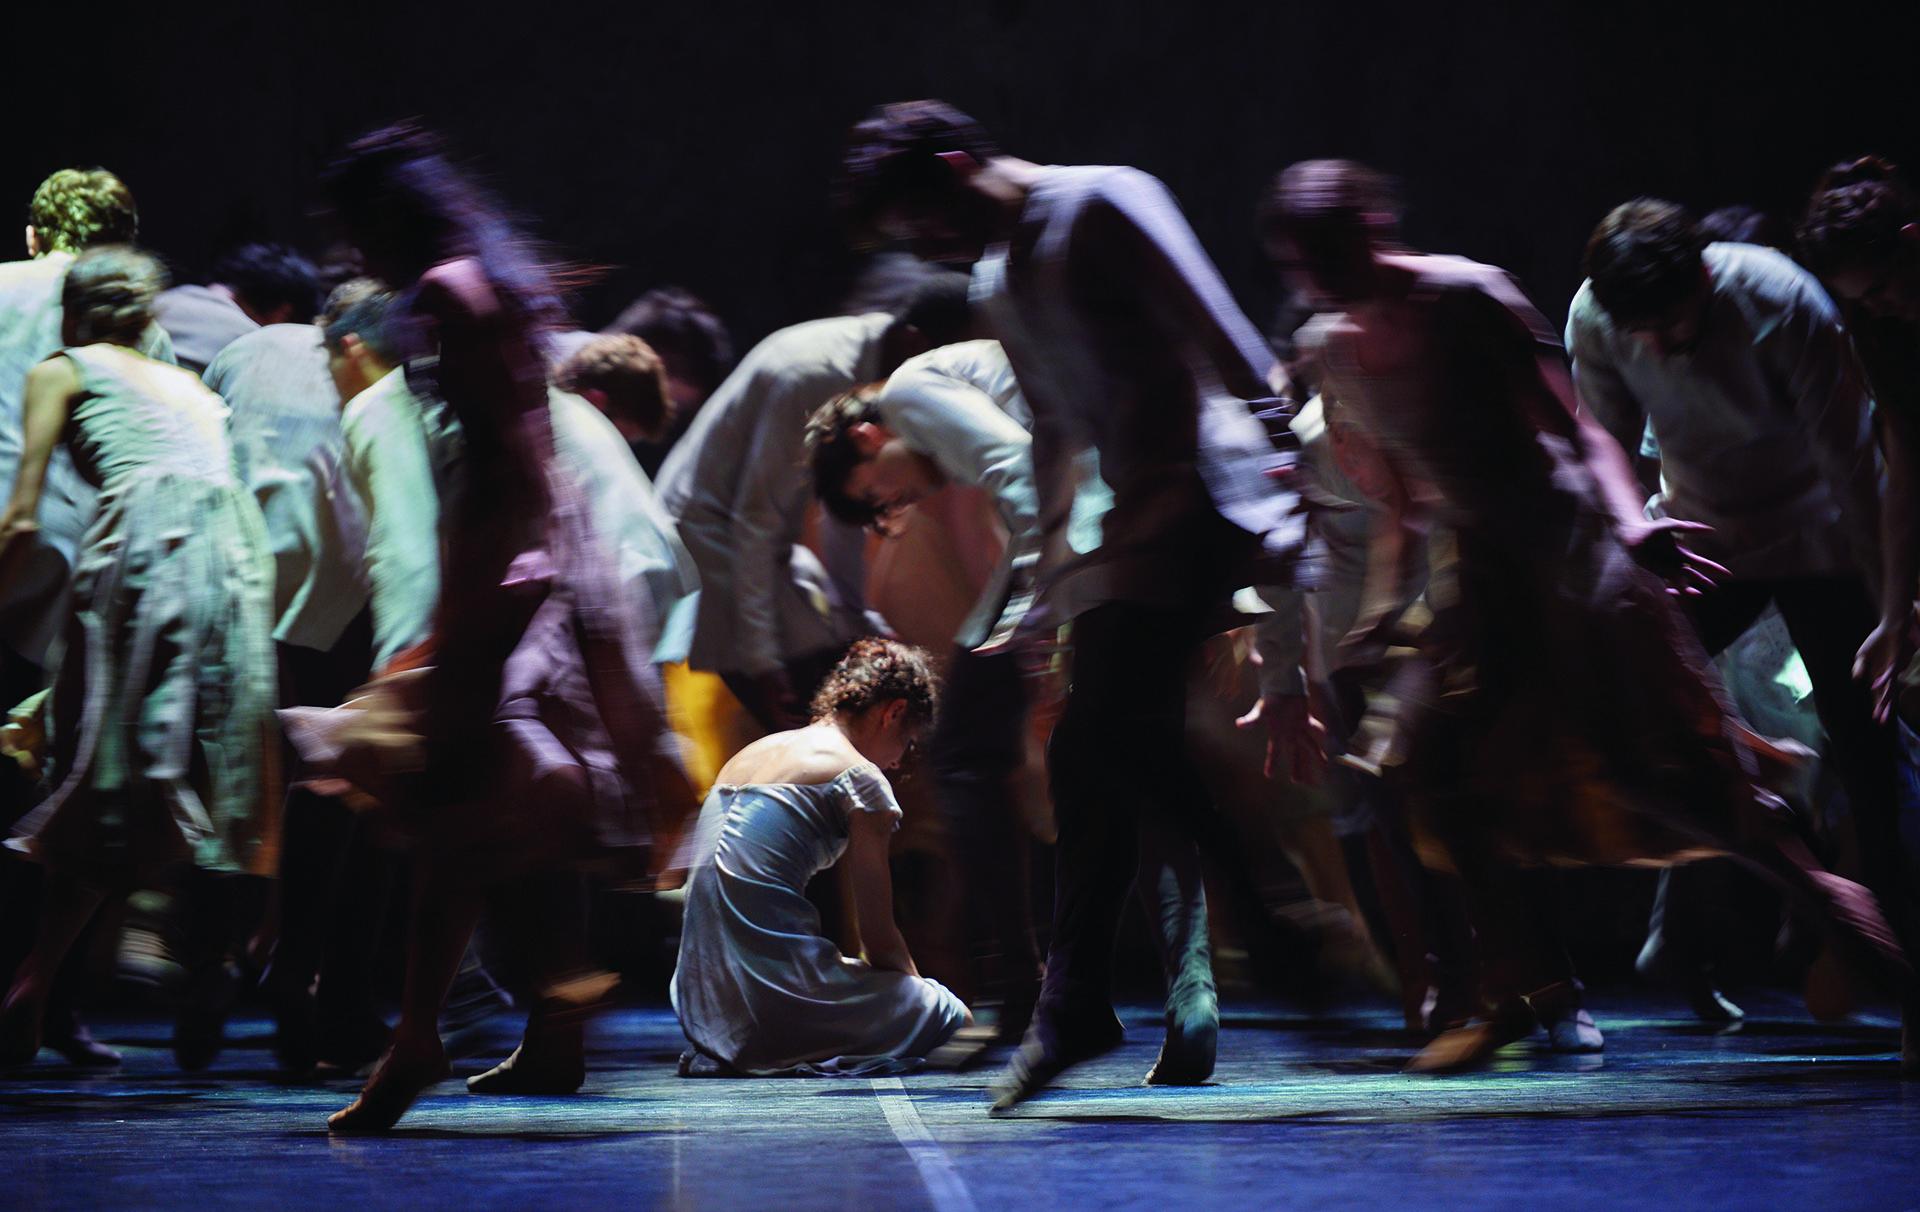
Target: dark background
693, 142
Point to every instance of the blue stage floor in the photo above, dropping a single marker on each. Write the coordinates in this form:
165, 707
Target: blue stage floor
1303, 1114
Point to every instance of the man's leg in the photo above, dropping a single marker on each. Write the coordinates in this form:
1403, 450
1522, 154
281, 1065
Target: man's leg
1174, 896
1676, 944
976, 747
1120, 742
1828, 618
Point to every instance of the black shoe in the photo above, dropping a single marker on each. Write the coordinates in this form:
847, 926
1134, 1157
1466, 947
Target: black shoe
1193, 1033
1050, 1050
69, 1037
351, 1043
551, 1074
200, 1026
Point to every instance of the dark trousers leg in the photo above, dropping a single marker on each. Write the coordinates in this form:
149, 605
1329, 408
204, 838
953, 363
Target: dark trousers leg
1829, 618
1120, 744
977, 745
1679, 926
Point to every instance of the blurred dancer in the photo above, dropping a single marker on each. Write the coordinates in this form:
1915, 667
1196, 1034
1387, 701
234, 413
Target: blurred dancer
533, 741
772, 620
161, 743
757, 989
72, 210
1127, 343
955, 416
1861, 234
1762, 415
1565, 714
253, 287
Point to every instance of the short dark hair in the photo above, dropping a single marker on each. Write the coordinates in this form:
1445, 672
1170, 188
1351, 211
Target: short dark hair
267, 276
365, 317
875, 672
833, 456
1855, 216
940, 308
679, 326
77, 208
109, 292
627, 371
893, 157
1644, 260
1739, 224
1314, 194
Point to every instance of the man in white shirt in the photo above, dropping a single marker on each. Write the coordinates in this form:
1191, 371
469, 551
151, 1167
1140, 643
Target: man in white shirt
1762, 418
770, 621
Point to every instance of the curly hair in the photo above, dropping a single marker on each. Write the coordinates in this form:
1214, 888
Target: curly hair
1856, 215
833, 456
109, 292
1644, 259
628, 372
876, 671
77, 208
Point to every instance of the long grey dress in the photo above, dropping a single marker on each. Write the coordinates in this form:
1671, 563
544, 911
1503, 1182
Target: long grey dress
161, 739
757, 987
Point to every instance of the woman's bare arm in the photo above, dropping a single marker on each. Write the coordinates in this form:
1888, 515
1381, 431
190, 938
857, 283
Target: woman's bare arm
870, 836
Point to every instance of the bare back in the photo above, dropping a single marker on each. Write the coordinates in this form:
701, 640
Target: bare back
818, 753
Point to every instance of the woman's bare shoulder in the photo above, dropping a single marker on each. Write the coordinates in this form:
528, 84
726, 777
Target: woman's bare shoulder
814, 754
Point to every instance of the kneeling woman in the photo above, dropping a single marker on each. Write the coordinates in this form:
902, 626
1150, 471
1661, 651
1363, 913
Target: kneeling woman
758, 990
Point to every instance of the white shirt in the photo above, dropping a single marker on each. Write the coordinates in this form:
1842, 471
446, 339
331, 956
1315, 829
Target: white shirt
1763, 429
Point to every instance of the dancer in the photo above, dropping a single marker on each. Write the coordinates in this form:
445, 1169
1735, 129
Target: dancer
955, 415
161, 743
1563, 712
1762, 415
255, 286
534, 741
1125, 342
757, 989
771, 620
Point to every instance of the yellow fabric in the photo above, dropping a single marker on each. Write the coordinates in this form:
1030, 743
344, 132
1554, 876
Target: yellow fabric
711, 721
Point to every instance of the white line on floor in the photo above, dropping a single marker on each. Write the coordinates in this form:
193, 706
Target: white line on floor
944, 1184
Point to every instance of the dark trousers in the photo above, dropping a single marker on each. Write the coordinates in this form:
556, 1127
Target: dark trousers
1828, 617
978, 744
804, 674
1117, 758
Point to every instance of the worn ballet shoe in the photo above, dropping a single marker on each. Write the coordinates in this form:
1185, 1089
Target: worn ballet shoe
1472, 1045
69, 1037
1193, 1035
1575, 1033
550, 1074
397, 1081
1050, 1050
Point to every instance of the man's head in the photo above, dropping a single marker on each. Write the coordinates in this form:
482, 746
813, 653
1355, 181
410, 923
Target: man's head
271, 283
1861, 234
908, 176
1645, 266
863, 473
77, 208
693, 344
108, 296
937, 313
1323, 222
353, 328
624, 378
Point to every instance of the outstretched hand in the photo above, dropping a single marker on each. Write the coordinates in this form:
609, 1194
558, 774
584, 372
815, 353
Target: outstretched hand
1296, 737
1881, 658
1655, 543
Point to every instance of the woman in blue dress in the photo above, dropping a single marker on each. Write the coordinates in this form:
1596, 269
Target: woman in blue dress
757, 989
